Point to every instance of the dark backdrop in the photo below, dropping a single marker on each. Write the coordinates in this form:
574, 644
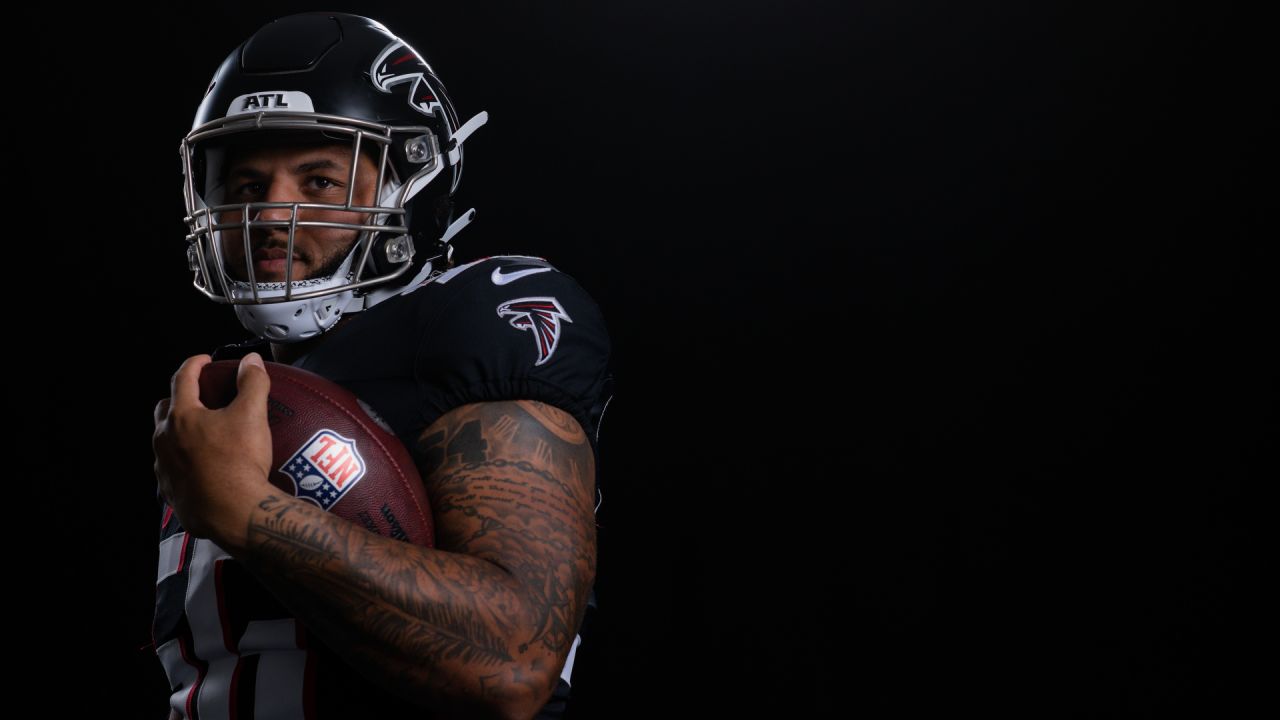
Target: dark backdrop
941, 359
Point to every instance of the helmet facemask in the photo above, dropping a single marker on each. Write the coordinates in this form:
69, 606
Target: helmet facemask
226, 229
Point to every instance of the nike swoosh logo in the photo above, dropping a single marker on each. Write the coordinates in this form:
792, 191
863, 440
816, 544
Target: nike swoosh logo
502, 279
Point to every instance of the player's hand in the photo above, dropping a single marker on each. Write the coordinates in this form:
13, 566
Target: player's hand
212, 465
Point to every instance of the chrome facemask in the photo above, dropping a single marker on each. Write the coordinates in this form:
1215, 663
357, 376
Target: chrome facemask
203, 206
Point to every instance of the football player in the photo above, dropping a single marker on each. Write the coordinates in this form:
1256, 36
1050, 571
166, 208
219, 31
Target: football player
319, 178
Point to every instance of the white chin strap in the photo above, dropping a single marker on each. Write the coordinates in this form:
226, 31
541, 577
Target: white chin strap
296, 320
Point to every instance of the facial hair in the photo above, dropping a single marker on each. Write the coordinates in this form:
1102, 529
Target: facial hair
330, 266
327, 268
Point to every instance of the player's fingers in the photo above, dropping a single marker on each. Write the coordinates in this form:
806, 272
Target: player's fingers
162, 409
185, 386
252, 382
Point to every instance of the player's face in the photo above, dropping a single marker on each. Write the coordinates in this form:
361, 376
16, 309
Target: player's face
294, 173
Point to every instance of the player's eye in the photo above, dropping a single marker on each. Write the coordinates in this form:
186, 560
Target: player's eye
320, 182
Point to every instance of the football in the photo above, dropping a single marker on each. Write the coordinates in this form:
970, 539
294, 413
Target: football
331, 449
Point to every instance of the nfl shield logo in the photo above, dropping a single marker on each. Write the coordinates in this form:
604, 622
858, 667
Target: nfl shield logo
325, 468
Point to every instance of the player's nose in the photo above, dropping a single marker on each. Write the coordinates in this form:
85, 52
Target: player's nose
279, 192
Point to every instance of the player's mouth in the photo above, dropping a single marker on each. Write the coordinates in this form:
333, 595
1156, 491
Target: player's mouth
269, 265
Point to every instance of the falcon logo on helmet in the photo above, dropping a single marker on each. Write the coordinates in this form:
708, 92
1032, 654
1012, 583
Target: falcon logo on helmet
397, 64
539, 315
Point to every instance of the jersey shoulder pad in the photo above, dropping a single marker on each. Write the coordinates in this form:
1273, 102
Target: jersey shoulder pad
513, 327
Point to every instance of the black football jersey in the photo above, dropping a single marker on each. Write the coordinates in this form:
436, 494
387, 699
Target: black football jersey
499, 328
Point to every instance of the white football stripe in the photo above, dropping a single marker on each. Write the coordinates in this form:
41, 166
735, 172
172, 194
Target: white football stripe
170, 555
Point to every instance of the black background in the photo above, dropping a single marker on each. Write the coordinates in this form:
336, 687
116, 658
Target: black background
941, 349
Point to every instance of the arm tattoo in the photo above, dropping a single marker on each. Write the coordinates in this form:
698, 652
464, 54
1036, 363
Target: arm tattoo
489, 615
514, 486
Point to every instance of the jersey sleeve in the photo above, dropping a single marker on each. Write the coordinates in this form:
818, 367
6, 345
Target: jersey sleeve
517, 330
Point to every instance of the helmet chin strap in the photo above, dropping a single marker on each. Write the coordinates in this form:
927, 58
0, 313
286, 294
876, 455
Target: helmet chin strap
295, 320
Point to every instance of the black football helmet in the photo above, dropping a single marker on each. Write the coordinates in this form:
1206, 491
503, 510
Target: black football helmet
327, 77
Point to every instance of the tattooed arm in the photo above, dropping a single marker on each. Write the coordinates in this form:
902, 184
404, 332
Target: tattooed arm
481, 625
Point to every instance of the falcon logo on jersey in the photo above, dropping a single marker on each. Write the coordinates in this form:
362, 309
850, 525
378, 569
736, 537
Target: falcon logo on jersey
398, 63
325, 468
540, 316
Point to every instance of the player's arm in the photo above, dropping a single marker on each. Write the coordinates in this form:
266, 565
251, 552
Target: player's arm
481, 625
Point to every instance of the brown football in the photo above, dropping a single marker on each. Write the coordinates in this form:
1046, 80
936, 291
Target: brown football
329, 448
